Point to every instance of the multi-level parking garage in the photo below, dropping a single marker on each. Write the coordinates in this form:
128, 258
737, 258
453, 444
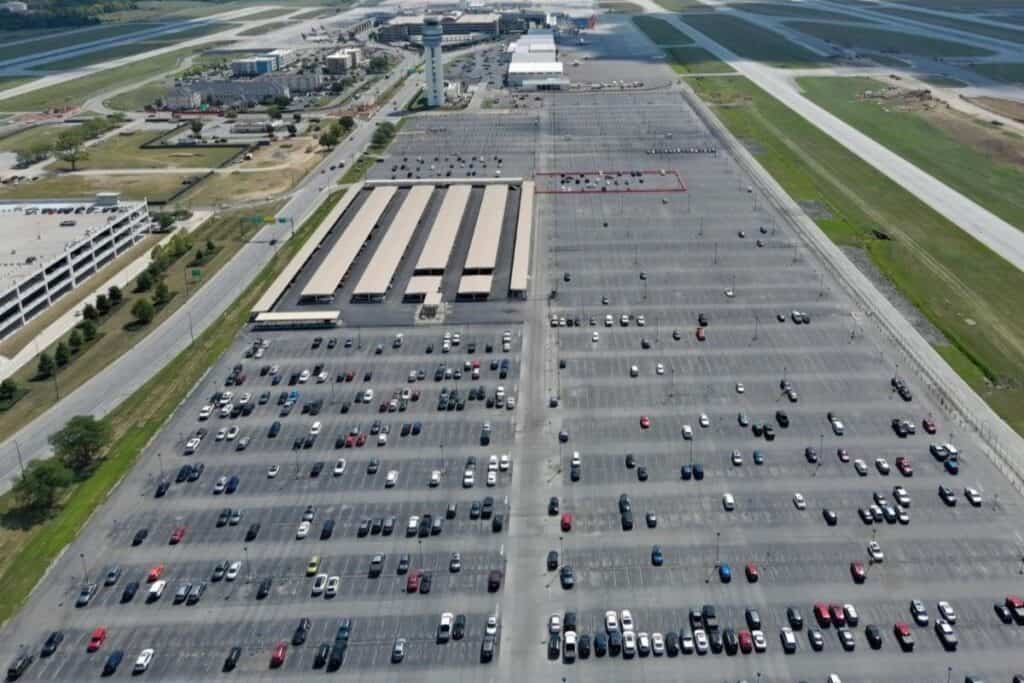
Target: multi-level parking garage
654, 263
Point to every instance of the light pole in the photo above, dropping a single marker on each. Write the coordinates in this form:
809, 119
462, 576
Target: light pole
718, 537
85, 569
21, 464
248, 567
160, 459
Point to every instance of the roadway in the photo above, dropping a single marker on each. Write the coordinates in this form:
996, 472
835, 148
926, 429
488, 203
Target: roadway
995, 233
118, 381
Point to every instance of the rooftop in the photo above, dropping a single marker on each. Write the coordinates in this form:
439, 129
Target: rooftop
34, 233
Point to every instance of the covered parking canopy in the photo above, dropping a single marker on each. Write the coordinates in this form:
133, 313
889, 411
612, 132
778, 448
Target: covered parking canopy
376, 281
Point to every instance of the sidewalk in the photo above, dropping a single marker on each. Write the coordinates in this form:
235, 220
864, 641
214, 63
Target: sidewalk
63, 324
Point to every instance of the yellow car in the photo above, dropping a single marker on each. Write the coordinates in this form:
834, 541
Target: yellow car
313, 566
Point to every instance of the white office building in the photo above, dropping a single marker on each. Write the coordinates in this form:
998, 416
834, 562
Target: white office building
433, 35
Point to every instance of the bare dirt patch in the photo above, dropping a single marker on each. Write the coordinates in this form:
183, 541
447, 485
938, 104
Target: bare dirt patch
1008, 108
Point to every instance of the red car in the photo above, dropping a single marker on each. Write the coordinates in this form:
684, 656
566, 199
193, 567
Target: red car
843, 455
928, 425
752, 573
837, 614
903, 635
349, 376
746, 642
383, 407
645, 422
155, 573
177, 535
566, 521
280, 652
476, 364
350, 441
97, 639
857, 572
361, 439
700, 334
412, 584
822, 615
903, 465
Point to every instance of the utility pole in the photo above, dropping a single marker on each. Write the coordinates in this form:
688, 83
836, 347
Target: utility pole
21, 464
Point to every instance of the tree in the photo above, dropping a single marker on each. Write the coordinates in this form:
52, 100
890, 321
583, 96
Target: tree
69, 148
328, 139
143, 311
37, 151
144, 282
79, 443
378, 64
197, 127
89, 313
8, 389
296, 117
102, 304
115, 295
210, 246
46, 366
63, 354
274, 111
347, 122
88, 330
292, 130
41, 483
161, 295
75, 340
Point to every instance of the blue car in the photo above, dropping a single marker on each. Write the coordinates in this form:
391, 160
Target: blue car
686, 472
758, 458
725, 573
698, 472
657, 559
952, 466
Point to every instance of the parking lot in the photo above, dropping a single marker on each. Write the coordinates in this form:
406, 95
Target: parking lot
359, 501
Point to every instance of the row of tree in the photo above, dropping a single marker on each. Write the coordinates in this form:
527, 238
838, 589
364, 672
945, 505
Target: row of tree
77, 449
69, 144
81, 334
336, 132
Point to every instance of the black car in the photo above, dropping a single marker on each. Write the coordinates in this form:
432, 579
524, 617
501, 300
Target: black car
425, 581
140, 536
671, 644
686, 472
831, 518
715, 641
614, 643
224, 517
19, 666
51, 644
641, 473
782, 418
553, 505
730, 641
232, 659
494, 580
753, 619
317, 468
554, 647
364, 528
627, 520
600, 644
183, 473
264, 589
488, 508
811, 454
128, 594
197, 471
874, 636
301, 631
161, 489
702, 320
322, 653
552, 560
794, 617
567, 577
698, 472
474, 510
220, 570
459, 627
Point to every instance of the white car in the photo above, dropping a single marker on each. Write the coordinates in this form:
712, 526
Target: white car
244, 398
973, 496
728, 502
468, 479
504, 462
435, 478
837, 427
322, 377
368, 396
192, 445
628, 643
700, 641
946, 610
626, 620
634, 371
596, 337
611, 621
492, 463
740, 388
659, 369
788, 639
413, 526
304, 377
657, 644
760, 643
492, 478
875, 551
331, 588
220, 484
704, 421
799, 502
554, 624
303, 530
143, 660
687, 432
569, 646
861, 467
205, 412
382, 439
156, 590
882, 465
273, 471
319, 583
315, 429
391, 479
737, 458
643, 642
232, 433
221, 434
491, 628
233, 569
641, 321
226, 397
339, 467
226, 409
686, 644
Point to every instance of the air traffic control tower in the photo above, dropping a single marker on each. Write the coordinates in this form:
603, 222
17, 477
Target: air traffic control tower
434, 71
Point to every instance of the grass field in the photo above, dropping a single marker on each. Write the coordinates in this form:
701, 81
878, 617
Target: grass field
948, 275
791, 10
137, 99
886, 41
11, 81
695, 60
1008, 108
268, 14
63, 38
76, 91
960, 24
28, 546
264, 28
129, 49
752, 42
681, 5
29, 138
1008, 72
943, 81
660, 31
980, 167
123, 151
144, 186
